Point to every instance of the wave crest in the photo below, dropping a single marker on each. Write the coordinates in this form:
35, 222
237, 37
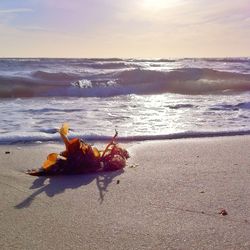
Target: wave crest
136, 81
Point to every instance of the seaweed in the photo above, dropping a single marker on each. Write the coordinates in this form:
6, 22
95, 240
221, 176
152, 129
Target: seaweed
80, 157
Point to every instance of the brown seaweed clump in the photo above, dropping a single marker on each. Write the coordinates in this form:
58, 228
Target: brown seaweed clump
80, 157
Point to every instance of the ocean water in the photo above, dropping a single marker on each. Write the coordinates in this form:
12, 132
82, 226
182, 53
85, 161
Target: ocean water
143, 99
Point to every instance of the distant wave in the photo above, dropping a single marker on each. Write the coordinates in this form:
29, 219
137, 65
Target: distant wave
136, 81
116, 59
109, 65
241, 105
51, 135
51, 110
228, 59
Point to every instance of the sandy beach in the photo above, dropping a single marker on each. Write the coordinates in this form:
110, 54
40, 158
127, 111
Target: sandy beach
168, 197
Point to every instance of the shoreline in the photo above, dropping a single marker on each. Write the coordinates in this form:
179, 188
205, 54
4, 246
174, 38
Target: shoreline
169, 196
102, 140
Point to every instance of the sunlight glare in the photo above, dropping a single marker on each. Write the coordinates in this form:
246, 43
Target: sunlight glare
159, 4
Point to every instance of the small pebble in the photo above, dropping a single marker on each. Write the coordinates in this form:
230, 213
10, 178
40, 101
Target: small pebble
7, 152
118, 181
133, 165
223, 212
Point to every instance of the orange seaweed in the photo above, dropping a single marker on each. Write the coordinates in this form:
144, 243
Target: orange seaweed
81, 157
51, 160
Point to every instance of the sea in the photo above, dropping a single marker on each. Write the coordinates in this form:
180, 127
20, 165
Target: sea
143, 99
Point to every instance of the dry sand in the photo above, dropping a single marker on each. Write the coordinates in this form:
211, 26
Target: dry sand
170, 200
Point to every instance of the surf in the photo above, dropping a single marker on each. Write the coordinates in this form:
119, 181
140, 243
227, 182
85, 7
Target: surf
188, 81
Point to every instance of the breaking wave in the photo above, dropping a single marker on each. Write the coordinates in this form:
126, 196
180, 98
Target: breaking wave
190, 81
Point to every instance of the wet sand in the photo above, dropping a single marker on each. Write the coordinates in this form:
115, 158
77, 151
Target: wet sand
168, 197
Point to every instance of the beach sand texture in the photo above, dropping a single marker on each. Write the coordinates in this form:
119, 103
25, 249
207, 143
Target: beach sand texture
168, 197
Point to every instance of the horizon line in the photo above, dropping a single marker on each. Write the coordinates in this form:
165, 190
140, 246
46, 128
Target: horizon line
124, 58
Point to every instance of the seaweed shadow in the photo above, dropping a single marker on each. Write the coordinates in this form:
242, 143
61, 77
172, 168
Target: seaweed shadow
58, 184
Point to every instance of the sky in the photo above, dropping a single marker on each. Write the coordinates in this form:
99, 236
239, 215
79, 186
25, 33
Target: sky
124, 28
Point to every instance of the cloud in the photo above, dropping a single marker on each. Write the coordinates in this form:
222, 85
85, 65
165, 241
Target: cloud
18, 10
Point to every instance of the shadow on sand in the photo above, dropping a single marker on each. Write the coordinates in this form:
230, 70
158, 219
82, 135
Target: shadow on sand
58, 184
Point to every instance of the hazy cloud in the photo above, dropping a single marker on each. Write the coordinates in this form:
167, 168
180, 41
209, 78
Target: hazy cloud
20, 10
